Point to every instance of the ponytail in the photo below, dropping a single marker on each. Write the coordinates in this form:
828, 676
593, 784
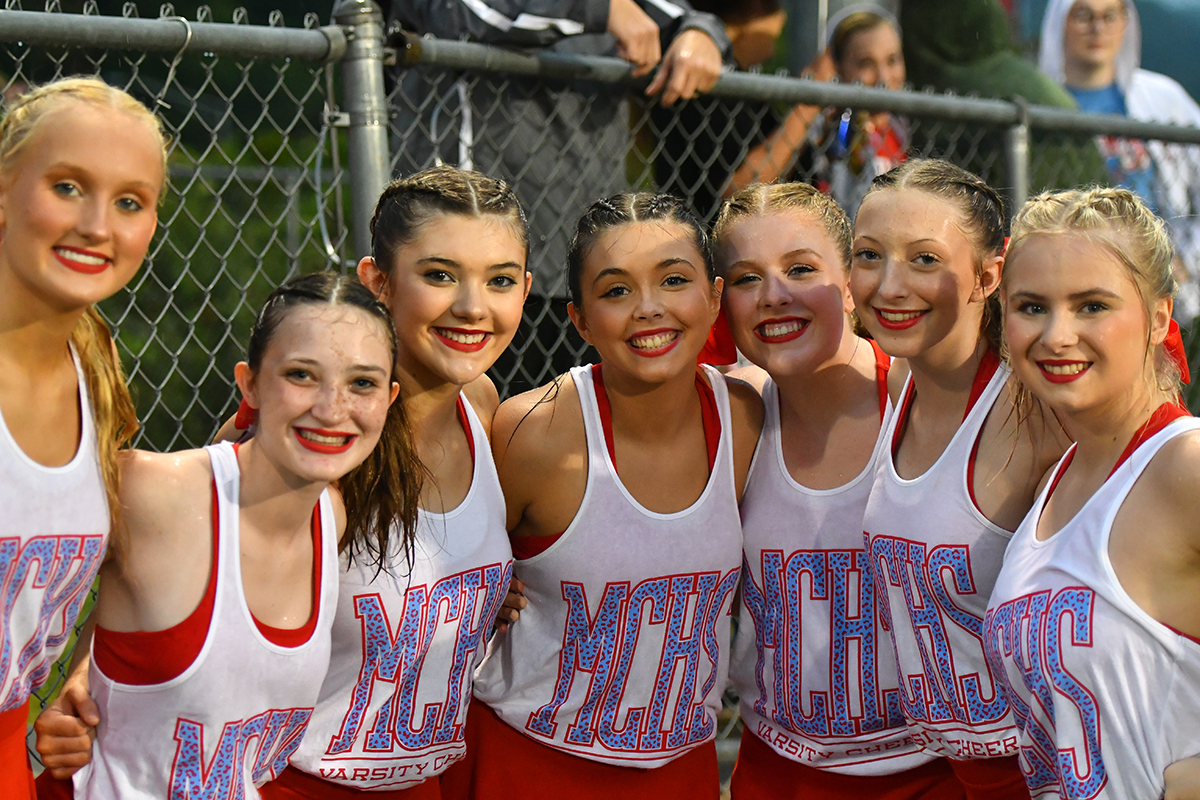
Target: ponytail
112, 408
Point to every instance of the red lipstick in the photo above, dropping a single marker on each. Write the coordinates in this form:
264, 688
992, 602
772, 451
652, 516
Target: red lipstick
902, 324
321, 447
79, 266
465, 347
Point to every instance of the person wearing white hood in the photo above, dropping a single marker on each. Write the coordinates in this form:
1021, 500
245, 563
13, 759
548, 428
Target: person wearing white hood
1093, 48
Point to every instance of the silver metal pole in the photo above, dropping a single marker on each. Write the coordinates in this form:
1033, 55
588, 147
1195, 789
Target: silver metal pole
366, 105
1016, 163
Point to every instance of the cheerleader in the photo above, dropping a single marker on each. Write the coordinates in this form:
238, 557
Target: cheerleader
958, 467
621, 481
212, 623
1093, 627
449, 250
817, 685
82, 166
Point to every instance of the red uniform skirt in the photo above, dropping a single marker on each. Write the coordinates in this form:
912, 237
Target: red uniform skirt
763, 774
502, 763
991, 778
16, 775
296, 785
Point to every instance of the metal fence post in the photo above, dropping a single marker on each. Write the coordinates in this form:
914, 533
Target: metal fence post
366, 104
1016, 161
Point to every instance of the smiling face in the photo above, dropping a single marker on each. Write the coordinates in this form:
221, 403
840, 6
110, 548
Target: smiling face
322, 390
914, 277
647, 303
77, 208
455, 293
787, 293
1076, 326
1094, 32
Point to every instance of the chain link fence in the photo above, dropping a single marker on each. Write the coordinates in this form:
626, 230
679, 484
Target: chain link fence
284, 137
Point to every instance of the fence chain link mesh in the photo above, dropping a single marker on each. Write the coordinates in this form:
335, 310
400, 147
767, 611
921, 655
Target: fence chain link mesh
256, 193
253, 198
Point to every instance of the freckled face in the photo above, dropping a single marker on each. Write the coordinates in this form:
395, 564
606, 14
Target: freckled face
1075, 325
456, 293
322, 390
786, 291
913, 274
77, 208
647, 305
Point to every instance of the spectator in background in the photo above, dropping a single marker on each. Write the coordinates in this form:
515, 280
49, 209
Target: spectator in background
561, 144
1093, 47
840, 151
700, 143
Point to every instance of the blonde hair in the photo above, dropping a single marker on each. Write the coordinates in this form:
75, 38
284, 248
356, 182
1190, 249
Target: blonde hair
1119, 221
766, 198
112, 407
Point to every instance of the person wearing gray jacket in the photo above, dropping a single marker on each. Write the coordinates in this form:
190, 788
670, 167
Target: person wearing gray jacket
561, 144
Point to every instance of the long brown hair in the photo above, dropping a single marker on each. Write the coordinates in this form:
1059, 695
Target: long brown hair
112, 407
382, 493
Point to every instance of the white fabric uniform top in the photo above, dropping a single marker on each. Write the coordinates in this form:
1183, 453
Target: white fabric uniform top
816, 679
622, 653
1105, 696
934, 558
406, 642
232, 719
50, 551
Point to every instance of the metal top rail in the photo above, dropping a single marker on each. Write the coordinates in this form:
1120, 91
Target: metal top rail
173, 34
414, 50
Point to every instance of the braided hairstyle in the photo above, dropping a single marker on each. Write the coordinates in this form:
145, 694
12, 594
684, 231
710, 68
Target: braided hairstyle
983, 219
622, 209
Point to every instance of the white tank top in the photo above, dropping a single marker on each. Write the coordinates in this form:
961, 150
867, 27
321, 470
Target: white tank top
622, 654
232, 719
50, 551
934, 558
1105, 696
406, 642
817, 681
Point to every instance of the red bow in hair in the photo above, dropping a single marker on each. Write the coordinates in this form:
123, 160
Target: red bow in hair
1174, 345
719, 350
246, 416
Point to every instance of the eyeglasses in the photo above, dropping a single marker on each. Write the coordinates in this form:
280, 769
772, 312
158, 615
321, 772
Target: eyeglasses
1085, 17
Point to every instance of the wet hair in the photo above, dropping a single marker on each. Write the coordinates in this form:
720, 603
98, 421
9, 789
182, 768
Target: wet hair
409, 203
115, 416
1119, 221
623, 209
767, 198
382, 493
982, 210
854, 24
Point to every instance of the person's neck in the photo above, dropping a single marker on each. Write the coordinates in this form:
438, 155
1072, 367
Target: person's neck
431, 406
277, 505
1090, 76
33, 334
650, 412
1102, 433
943, 375
828, 392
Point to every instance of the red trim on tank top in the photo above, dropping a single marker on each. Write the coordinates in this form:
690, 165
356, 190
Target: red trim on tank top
883, 363
146, 658
1187, 636
1163, 416
983, 376
524, 547
466, 426
294, 637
